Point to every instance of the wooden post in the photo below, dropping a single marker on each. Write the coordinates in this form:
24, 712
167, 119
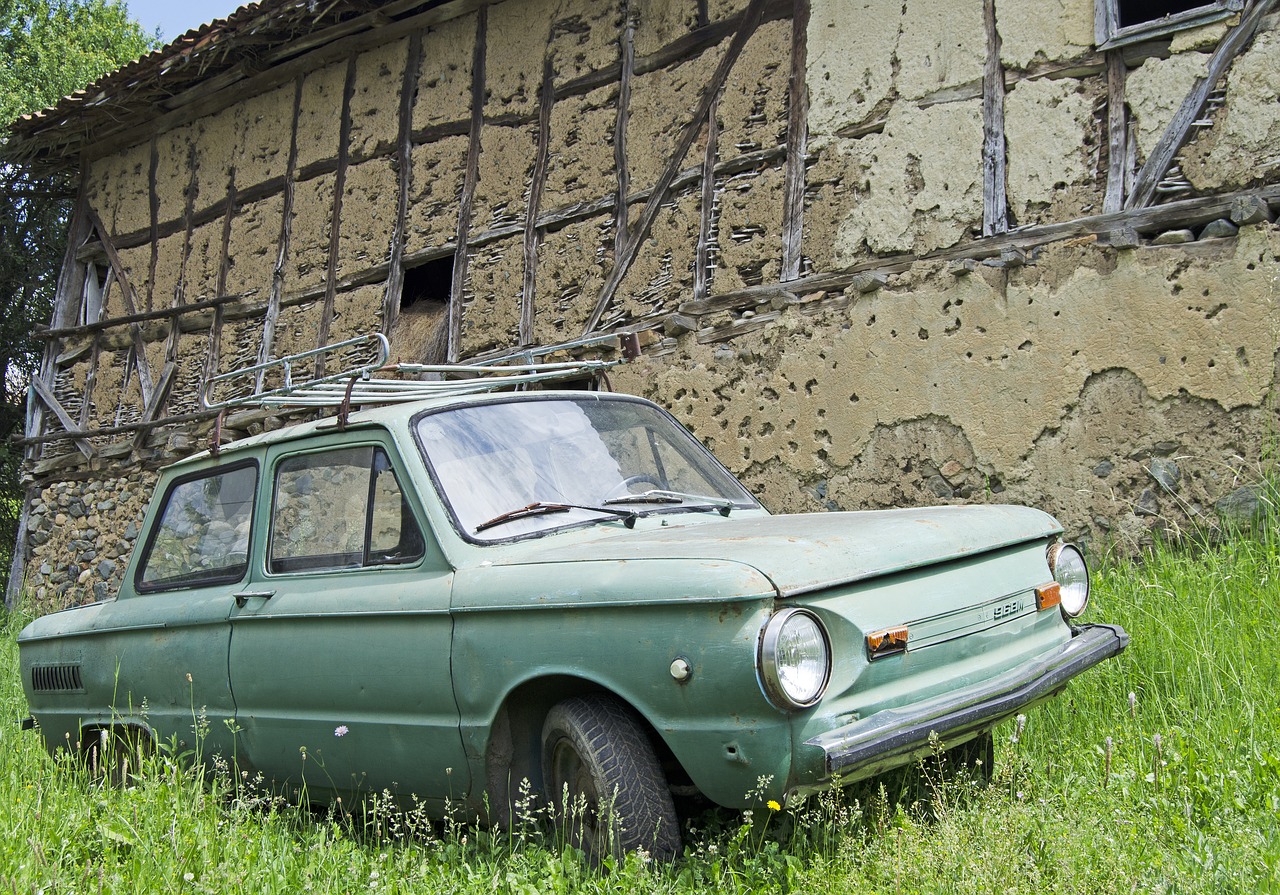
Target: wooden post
282, 243
335, 219
1117, 133
707, 223
628, 62
528, 295
468, 185
797, 144
995, 200
404, 160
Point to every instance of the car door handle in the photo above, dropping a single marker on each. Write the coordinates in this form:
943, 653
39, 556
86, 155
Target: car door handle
244, 595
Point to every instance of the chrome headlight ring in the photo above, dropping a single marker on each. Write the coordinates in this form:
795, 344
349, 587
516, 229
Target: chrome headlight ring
794, 659
1070, 570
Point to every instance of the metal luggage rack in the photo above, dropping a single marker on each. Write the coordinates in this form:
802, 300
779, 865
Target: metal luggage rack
357, 385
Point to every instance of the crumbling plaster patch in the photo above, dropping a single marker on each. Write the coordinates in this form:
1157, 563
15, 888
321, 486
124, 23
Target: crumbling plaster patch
375, 103
851, 61
572, 266
753, 104
1155, 91
491, 296
920, 183
320, 113
432, 217
662, 274
309, 232
580, 162
1243, 146
515, 46
659, 22
584, 37
119, 190
504, 175
368, 217
1038, 31
662, 103
749, 230
266, 130
444, 80
943, 45
216, 153
1052, 139
173, 171
255, 231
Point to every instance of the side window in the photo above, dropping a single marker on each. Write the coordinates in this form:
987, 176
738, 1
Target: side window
340, 509
202, 535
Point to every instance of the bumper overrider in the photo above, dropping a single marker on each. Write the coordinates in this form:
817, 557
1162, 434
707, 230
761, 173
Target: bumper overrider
895, 736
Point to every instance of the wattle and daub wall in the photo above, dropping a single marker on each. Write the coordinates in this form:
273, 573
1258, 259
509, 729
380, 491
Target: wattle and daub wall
820, 304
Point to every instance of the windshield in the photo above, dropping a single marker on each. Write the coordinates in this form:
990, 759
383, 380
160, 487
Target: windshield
527, 466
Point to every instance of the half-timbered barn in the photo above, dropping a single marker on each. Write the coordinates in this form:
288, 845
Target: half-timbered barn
877, 251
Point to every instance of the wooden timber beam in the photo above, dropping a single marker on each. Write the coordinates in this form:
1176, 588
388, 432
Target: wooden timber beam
528, 295
469, 179
995, 200
625, 75
1117, 133
748, 22
272, 315
335, 219
1175, 135
797, 144
707, 219
404, 163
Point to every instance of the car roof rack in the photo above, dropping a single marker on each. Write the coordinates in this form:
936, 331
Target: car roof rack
356, 383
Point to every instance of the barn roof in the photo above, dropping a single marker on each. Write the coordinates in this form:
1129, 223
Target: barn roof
195, 70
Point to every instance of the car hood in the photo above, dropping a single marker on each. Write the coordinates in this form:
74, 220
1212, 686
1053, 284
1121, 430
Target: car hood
808, 552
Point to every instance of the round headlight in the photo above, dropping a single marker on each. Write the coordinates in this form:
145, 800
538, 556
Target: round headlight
795, 659
1072, 574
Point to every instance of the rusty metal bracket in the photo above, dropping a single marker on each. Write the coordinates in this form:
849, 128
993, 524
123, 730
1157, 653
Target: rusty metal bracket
344, 409
215, 445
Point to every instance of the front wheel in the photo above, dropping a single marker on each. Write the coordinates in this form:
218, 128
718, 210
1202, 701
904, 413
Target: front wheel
600, 768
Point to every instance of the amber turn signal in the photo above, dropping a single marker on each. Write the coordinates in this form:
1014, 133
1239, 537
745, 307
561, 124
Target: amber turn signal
1048, 595
888, 642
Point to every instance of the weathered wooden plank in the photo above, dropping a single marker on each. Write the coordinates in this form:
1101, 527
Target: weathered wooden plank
404, 163
469, 179
797, 144
995, 201
335, 217
1175, 135
215, 328
627, 63
706, 218
1117, 133
153, 204
748, 23
528, 293
283, 240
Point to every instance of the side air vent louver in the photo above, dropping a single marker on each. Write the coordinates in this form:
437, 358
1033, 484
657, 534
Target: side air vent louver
55, 678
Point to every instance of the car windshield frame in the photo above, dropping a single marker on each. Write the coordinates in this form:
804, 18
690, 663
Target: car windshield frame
722, 489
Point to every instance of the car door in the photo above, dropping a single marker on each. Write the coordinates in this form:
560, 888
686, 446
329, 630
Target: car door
340, 649
167, 635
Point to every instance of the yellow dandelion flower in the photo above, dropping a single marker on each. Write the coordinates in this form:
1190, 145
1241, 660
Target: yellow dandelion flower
773, 805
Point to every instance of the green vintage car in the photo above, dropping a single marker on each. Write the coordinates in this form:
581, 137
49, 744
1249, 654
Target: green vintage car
450, 597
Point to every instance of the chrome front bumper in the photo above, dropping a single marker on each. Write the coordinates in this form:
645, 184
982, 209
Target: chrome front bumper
894, 737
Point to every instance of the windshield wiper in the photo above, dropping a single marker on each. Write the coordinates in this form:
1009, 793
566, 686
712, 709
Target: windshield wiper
539, 508
718, 504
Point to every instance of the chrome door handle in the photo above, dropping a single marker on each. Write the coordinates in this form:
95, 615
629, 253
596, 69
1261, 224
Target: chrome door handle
244, 595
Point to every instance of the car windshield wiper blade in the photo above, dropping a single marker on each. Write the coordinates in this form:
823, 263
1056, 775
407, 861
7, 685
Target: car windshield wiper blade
719, 504
538, 508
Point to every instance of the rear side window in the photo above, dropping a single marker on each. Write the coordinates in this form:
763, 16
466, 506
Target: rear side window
202, 535
340, 509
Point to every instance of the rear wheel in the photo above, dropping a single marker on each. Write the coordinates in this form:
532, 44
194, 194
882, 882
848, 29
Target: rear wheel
601, 771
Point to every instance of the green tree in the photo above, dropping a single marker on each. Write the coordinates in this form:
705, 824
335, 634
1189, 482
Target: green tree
48, 49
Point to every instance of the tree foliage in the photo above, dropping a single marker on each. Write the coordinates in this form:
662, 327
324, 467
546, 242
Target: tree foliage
48, 49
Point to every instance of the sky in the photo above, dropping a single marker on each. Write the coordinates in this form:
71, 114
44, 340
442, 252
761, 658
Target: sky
177, 17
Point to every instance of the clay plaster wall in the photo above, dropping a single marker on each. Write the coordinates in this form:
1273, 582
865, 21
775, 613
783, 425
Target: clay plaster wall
1055, 384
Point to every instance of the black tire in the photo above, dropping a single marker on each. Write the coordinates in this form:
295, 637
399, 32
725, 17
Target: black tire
602, 776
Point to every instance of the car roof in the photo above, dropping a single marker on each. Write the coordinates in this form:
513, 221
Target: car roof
386, 416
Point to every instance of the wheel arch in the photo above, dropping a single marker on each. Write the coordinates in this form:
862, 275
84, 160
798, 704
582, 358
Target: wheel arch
513, 754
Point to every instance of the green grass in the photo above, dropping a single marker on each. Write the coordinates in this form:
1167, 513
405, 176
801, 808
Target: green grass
1174, 790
